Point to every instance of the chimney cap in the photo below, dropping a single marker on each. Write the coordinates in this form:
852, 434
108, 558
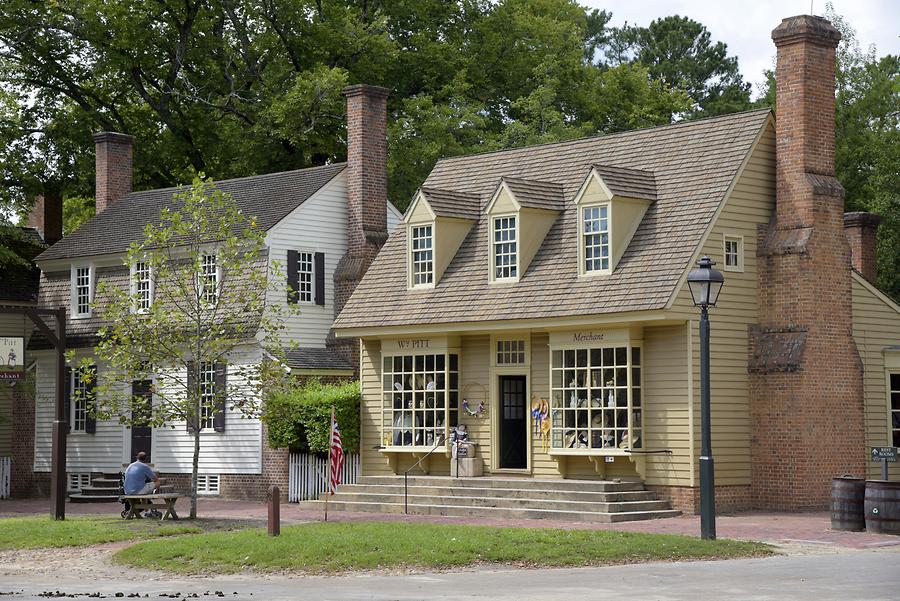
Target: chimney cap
364, 89
861, 219
112, 136
806, 28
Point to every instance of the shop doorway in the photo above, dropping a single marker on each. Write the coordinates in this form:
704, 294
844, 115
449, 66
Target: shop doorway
513, 423
141, 431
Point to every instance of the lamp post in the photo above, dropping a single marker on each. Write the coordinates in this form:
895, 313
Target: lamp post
705, 283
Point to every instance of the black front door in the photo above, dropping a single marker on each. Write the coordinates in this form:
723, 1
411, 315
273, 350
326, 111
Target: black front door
513, 424
141, 432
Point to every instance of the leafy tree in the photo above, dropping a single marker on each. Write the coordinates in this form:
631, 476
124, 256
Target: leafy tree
200, 316
680, 52
300, 418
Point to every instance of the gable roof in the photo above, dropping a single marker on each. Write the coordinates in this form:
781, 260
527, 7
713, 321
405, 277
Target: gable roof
446, 203
269, 198
630, 183
693, 164
534, 194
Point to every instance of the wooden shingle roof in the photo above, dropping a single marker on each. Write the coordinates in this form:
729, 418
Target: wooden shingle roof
693, 165
631, 183
446, 203
536, 194
269, 198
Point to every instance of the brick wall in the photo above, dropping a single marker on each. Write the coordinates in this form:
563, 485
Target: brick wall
366, 196
806, 406
860, 229
113, 163
47, 216
686, 499
24, 483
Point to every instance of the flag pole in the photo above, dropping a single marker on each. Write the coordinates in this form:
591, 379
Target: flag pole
330, 443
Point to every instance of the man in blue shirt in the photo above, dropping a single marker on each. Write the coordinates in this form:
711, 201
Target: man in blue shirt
140, 479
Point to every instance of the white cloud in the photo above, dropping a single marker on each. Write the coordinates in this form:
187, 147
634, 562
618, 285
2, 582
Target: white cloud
746, 26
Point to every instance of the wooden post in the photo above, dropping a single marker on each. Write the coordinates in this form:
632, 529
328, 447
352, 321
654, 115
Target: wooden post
274, 511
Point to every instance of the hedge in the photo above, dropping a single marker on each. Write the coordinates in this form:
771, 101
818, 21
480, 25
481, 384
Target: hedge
298, 419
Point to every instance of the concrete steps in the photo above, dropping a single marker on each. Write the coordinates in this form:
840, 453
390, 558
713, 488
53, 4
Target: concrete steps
502, 498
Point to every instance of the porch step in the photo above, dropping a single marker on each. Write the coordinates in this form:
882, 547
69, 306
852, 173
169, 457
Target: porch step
562, 504
492, 512
516, 483
603, 501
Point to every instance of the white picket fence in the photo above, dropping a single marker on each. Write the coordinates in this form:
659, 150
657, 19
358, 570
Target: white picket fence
5, 475
308, 475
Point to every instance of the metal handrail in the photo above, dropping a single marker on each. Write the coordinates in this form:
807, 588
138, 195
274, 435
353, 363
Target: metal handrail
437, 444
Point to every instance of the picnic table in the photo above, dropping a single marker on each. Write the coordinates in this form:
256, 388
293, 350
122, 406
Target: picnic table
140, 503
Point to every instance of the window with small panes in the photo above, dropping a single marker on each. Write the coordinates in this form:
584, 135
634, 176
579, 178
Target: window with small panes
894, 381
421, 399
596, 401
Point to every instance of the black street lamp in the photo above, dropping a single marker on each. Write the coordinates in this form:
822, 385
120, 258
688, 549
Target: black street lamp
705, 283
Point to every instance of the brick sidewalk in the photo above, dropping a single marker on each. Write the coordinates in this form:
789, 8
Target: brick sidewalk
779, 528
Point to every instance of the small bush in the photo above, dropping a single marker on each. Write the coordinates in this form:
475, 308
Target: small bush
299, 418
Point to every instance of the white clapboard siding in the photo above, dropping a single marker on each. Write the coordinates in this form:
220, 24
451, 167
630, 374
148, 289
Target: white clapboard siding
98, 452
308, 475
237, 450
318, 225
5, 475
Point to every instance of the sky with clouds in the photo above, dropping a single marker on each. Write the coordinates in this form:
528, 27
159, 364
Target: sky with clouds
746, 26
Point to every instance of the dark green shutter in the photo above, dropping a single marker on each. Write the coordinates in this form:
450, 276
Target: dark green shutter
90, 402
67, 399
319, 268
191, 411
219, 414
293, 277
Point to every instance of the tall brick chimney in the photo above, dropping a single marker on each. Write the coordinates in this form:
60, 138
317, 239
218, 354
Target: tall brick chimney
47, 216
113, 167
366, 195
861, 229
806, 390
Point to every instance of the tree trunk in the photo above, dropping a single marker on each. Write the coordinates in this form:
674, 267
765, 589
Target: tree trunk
194, 471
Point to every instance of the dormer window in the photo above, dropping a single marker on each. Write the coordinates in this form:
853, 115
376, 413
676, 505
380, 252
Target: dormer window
209, 281
422, 257
595, 238
141, 287
82, 290
611, 204
505, 245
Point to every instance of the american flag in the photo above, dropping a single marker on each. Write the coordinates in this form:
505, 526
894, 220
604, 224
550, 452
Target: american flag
337, 456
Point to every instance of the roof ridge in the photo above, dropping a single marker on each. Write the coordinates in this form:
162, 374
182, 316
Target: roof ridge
679, 124
237, 179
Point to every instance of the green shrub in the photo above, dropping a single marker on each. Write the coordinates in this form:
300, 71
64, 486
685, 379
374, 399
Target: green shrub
299, 418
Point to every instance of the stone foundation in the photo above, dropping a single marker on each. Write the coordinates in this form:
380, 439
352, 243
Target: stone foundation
686, 499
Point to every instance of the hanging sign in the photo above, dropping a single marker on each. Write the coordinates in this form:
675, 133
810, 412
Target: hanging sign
12, 357
884, 454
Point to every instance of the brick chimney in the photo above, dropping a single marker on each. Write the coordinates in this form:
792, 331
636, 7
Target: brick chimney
806, 393
860, 229
366, 196
113, 167
47, 216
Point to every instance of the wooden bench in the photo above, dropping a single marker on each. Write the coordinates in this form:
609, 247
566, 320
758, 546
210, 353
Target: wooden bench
140, 503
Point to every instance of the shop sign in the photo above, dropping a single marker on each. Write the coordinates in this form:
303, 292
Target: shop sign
884, 454
414, 345
12, 357
589, 338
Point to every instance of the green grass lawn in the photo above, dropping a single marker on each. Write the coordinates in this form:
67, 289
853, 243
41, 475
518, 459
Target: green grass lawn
81, 531
338, 547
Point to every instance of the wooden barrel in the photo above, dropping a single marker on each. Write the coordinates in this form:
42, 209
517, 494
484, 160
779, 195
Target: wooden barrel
882, 507
847, 495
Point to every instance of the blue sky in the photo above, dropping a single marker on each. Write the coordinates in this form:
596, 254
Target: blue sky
746, 26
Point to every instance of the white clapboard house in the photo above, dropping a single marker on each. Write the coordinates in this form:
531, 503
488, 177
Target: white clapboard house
323, 225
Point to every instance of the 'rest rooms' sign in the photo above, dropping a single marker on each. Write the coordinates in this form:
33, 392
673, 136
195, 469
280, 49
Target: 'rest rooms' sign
12, 357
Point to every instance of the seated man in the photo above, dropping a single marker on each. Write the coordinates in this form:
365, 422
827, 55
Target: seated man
140, 479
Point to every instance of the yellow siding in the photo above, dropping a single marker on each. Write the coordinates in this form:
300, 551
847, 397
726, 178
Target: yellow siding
474, 385
750, 204
667, 412
373, 462
533, 227
626, 216
876, 325
448, 236
421, 212
504, 204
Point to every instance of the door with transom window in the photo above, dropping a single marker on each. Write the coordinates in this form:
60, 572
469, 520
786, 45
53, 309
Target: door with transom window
513, 439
